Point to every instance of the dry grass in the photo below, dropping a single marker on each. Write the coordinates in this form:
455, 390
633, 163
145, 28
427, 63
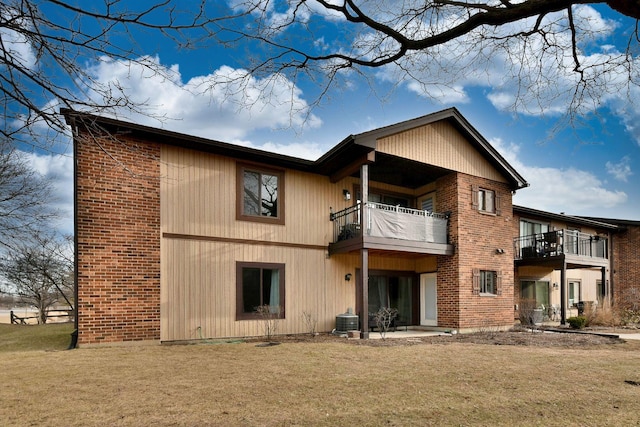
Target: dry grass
325, 382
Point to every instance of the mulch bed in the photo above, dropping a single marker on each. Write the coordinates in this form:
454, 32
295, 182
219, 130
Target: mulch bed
518, 338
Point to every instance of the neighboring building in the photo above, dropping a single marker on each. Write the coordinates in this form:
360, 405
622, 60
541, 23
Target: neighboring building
181, 238
557, 254
625, 262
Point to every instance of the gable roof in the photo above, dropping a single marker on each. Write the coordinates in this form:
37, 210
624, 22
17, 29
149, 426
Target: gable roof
355, 145
353, 150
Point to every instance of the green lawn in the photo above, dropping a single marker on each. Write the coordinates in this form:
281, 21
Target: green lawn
54, 336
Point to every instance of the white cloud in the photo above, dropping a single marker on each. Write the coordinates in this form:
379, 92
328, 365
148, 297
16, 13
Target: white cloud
569, 190
307, 150
14, 46
527, 78
226, 105
630, 112
58, 171
621, 170
275, 15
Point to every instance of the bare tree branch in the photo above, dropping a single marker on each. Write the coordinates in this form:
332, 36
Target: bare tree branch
45, 46
39, 271
25, 198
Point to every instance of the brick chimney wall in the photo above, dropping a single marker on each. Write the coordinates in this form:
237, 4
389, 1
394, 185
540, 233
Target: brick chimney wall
118, 239
477, 237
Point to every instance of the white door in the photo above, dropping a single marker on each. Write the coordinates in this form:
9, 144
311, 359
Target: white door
428, 300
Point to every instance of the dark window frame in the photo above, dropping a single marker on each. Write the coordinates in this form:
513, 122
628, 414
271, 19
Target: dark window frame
241, 168
480, 285
483, 200
485, 284
240, 266
476, 202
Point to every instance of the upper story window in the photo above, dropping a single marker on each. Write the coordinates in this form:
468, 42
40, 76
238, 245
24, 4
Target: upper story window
260, 194
485, 200
427, 204
530, 228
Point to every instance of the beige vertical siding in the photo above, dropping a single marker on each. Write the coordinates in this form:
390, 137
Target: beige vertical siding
198, 197
442, 145
202, 241
199, 289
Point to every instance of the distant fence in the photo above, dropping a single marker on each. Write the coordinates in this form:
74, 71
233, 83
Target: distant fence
24, 320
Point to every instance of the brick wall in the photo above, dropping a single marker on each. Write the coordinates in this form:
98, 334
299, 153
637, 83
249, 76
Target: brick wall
448, 287
476, 237
626, 267
118, 240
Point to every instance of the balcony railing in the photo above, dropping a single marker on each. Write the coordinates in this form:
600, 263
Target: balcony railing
394, 222
559, 242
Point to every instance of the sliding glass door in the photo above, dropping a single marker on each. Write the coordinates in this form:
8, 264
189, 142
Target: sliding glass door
393, 290
535, 290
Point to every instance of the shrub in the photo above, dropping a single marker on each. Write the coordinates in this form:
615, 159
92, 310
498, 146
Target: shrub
630, 317
602, 315
527, 311
270, 315
311, 322
384, 318
577, 322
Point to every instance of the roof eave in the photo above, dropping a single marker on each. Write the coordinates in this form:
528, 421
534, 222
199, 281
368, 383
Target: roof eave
189, 141
564, 217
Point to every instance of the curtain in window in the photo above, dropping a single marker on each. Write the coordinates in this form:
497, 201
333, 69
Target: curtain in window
274, 291
404, 299
378, 293
487, 201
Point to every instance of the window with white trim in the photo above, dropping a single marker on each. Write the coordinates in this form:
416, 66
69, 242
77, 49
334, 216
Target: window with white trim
488, 281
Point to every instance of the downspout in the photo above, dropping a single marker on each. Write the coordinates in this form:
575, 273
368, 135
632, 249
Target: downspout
74, 334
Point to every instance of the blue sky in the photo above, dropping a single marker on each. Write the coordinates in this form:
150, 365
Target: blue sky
590, 168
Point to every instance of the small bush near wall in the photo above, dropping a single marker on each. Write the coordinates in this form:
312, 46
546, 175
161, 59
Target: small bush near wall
630, 317
577, 322
527, 312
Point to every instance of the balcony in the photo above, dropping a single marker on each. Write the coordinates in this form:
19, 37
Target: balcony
574, 246
390, 228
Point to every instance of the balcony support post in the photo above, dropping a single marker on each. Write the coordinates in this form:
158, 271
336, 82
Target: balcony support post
563, 293
364, 253
603, 279
364, 277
